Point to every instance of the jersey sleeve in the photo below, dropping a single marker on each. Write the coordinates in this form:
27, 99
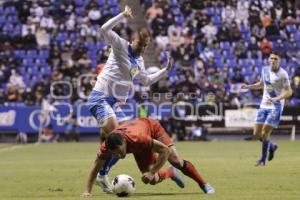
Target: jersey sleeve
148, 79
110, 36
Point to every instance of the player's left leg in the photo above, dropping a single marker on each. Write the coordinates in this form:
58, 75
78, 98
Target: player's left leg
271, 122
266, 132
102, 177
188, 169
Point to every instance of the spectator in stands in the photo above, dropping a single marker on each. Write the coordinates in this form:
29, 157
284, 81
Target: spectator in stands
265, 17
16, 80
28, 97
258, 31
47, 22
228, 15
13, 94
265, 46
235, 33
240, 49
209, 31
237, 77
153, 11
223, 34
47, 135
289, 12
176, 40
94, 15
242, 12
42, 38
162, 40
174, 29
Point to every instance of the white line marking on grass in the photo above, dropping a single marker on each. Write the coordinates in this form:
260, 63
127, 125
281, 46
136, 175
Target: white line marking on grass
11, 148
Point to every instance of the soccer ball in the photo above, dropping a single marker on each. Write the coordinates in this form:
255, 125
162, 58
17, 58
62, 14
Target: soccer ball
123, 185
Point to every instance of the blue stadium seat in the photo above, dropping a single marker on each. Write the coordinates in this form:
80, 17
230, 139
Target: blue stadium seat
79, 10
225, 45
31, 54
79, 3
100, 3
44, 53
291, 28
28, 62
10, 10
210, 11
243, 62
217, 21
176, 11
173, 3
2, 20
112, 3
12, 19
231, 63
115, 10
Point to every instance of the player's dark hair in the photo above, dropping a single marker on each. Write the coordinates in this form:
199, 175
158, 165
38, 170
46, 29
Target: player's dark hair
113, 140
277, 53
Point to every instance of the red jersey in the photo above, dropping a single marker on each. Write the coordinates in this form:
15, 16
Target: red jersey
139, 134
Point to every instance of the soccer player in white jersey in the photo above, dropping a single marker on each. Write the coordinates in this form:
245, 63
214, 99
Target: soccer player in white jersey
276, 85
125, 62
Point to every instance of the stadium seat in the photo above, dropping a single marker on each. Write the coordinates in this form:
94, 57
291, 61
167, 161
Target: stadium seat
44, 53
79, 3
210, 11
100, 3
31, 54
10, 10
112, 3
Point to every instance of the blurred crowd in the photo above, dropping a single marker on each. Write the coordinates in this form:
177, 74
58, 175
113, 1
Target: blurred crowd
217, 45
47, 47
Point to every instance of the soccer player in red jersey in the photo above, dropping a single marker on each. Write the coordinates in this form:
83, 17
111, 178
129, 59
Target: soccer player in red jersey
151, 146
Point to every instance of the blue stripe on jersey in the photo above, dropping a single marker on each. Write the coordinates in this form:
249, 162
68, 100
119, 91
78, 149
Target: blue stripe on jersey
132, 56
267, 81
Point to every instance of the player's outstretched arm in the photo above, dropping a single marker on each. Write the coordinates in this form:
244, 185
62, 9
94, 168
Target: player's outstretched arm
255, 86
98, 164
149, 79
106, 29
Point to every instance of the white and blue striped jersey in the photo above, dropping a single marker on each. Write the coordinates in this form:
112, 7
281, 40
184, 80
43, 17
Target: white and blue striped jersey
274, 83
122, 65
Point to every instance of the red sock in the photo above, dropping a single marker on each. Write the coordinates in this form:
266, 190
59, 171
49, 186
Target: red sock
164, 174
189, 170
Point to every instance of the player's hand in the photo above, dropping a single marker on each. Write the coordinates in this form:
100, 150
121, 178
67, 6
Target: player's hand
169, 63
86, 194
245, 86
148, 177
127, 12
272, 100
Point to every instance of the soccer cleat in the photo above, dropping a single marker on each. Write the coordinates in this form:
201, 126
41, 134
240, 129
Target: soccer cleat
260, 163
272, 152
103, 182
177, 178
207, 188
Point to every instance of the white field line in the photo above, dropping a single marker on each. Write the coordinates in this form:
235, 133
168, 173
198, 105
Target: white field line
11, 148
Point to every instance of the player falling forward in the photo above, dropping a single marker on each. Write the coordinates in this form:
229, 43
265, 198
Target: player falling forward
151, 147
276, 84
114, 82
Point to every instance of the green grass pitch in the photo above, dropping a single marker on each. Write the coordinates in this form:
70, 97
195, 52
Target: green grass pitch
59, 171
